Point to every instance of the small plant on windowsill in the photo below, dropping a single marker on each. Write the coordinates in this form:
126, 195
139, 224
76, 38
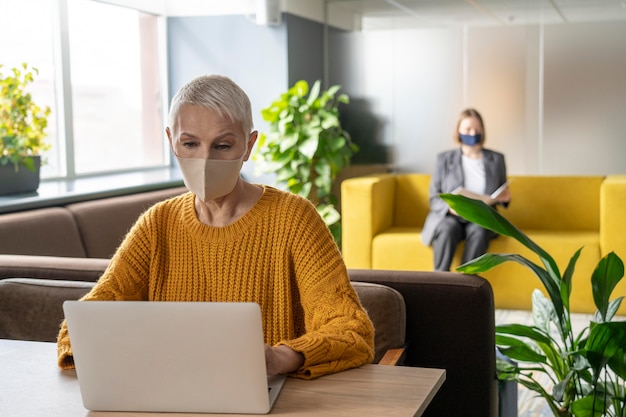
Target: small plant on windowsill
587, 370
306, 146
23, 125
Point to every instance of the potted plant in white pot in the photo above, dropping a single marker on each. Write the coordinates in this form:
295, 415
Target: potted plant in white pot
23, 126
587, 371
306, 146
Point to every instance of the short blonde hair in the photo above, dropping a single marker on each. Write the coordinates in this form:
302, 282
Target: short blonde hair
218, 93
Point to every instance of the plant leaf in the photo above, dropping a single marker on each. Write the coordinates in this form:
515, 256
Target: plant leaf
608, 272
606, 344
480, 213
522, 330
523, 353
542, 311
309, 146
489, 260
315, 92
588, 406
566, 282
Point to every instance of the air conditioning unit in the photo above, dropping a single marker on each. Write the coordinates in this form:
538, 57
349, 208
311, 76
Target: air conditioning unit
268, 12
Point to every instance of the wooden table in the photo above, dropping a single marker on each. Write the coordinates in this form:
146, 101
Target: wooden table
31, 385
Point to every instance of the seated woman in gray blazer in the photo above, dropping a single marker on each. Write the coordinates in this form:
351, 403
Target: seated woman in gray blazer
474, 171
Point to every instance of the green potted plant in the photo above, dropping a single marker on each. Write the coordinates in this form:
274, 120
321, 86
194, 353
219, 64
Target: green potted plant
587, 370
23, 126
306, 147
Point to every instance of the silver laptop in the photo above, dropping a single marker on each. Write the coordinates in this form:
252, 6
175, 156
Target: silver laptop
171, 356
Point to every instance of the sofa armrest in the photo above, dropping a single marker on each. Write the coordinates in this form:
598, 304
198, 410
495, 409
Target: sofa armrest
32, 309
367, 207
450, 324
52, 267
612, 209
393, 357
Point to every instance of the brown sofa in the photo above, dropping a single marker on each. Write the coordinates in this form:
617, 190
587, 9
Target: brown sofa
449, 324
76, 239
88, 229
53, 254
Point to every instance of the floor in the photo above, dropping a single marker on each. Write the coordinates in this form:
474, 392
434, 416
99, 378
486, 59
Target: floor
529, 405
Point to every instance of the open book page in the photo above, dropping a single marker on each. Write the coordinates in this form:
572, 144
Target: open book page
462, 191
501, 188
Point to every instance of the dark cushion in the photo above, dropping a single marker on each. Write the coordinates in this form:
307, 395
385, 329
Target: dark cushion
32, 309
386, 309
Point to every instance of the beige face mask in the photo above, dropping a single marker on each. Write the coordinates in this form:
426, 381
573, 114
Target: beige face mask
209, 179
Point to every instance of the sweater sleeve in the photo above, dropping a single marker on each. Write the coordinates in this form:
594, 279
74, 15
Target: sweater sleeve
124, 279
338, 332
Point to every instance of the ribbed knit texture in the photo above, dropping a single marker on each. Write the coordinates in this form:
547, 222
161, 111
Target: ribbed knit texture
280, 255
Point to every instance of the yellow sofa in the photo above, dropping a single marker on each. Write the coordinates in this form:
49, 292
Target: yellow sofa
382, 217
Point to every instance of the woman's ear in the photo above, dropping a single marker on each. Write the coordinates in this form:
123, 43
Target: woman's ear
251, 141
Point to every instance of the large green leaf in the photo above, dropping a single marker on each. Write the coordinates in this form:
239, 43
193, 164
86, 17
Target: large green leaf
589, 406
521, 330
489, 260
605, 277
606, 345
480, 213
523, 353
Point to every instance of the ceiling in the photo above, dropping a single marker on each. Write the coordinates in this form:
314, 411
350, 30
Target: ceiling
444, 13
393, 14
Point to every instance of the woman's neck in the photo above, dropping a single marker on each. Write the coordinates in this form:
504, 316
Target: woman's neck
473, 152
227, 210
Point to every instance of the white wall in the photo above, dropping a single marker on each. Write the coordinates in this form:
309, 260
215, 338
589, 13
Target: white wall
553, 98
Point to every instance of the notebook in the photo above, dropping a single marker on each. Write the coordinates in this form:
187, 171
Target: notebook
171, 356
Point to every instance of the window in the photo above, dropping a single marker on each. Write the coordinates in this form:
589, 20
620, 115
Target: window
25, 37
106, 77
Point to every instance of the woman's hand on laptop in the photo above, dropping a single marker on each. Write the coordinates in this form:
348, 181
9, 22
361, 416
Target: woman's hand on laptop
282, 359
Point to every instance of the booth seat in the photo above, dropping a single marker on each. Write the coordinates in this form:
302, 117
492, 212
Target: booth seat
434, 315
75, 239
383, 215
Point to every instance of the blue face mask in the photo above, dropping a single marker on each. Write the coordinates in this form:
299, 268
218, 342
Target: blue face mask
470, 140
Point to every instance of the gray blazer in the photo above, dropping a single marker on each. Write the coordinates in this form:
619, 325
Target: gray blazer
448, 176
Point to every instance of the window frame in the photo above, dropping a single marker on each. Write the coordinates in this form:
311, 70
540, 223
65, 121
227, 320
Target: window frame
63, 94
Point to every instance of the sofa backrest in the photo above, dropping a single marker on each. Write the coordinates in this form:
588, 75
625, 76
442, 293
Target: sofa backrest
450, 324
103, 224
549, 202
555, 202
48, 232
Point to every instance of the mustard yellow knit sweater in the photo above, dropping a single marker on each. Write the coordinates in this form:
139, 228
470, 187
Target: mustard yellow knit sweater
280, 255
